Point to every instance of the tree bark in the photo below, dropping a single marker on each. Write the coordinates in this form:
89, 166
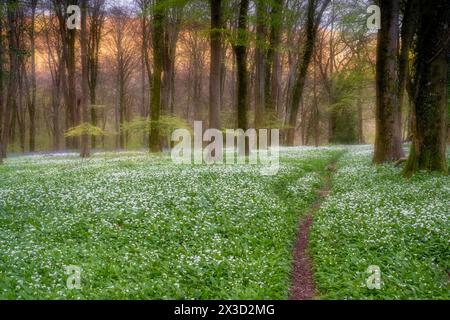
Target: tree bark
68, 40
85, 146
409, 25
272, 68
260, 64
97, 20
2, 78
215, 64
11, 100
158, 43
32, 102
240, 51
388, 138
145, 7
429, 125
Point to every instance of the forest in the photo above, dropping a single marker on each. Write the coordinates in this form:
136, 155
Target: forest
92, 91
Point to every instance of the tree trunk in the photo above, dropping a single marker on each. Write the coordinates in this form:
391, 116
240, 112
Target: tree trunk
409, 25
145, 6
122, 106
95, 37
260, 55
2, 79
11, 102
271, 86
68, 39
215, 64
240, 51
85, 146
388, 139
158, 42
429, 124
32, 104
359, 107
312, 25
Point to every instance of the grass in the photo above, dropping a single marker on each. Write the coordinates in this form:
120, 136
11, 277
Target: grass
374, 216
141, 227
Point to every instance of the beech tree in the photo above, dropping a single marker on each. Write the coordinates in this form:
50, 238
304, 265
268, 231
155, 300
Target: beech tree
85, 115
158, 47
388, 140
2, 79
68, 41
240, 51
215, 64
96, 23
430, 81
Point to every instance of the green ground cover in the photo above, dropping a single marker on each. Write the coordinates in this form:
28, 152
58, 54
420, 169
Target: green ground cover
374, 216
141, 227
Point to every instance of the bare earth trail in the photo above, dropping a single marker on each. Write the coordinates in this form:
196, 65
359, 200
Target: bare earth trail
302, 278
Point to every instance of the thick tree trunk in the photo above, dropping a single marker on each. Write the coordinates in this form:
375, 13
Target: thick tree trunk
11, 100
2, 78
85, 145
388, 139
158, 43
429, 125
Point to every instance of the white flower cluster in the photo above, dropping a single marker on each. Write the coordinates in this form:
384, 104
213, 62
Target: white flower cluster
374, 216
140, 226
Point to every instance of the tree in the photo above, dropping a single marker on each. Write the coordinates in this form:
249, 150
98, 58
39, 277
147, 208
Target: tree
312, 24
32, 98
260, 65
123, 49
14, 27
240, 51
388, 139
272, 61
97, 21
173, 14
85, 146
2, 77
68, 40
56, 67
158, 47
430, 91
145, 6
215, 64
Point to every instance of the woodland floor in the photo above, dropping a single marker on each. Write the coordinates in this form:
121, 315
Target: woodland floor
141, 227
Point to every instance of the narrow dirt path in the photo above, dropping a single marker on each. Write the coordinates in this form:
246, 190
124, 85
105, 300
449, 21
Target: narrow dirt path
302, 279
